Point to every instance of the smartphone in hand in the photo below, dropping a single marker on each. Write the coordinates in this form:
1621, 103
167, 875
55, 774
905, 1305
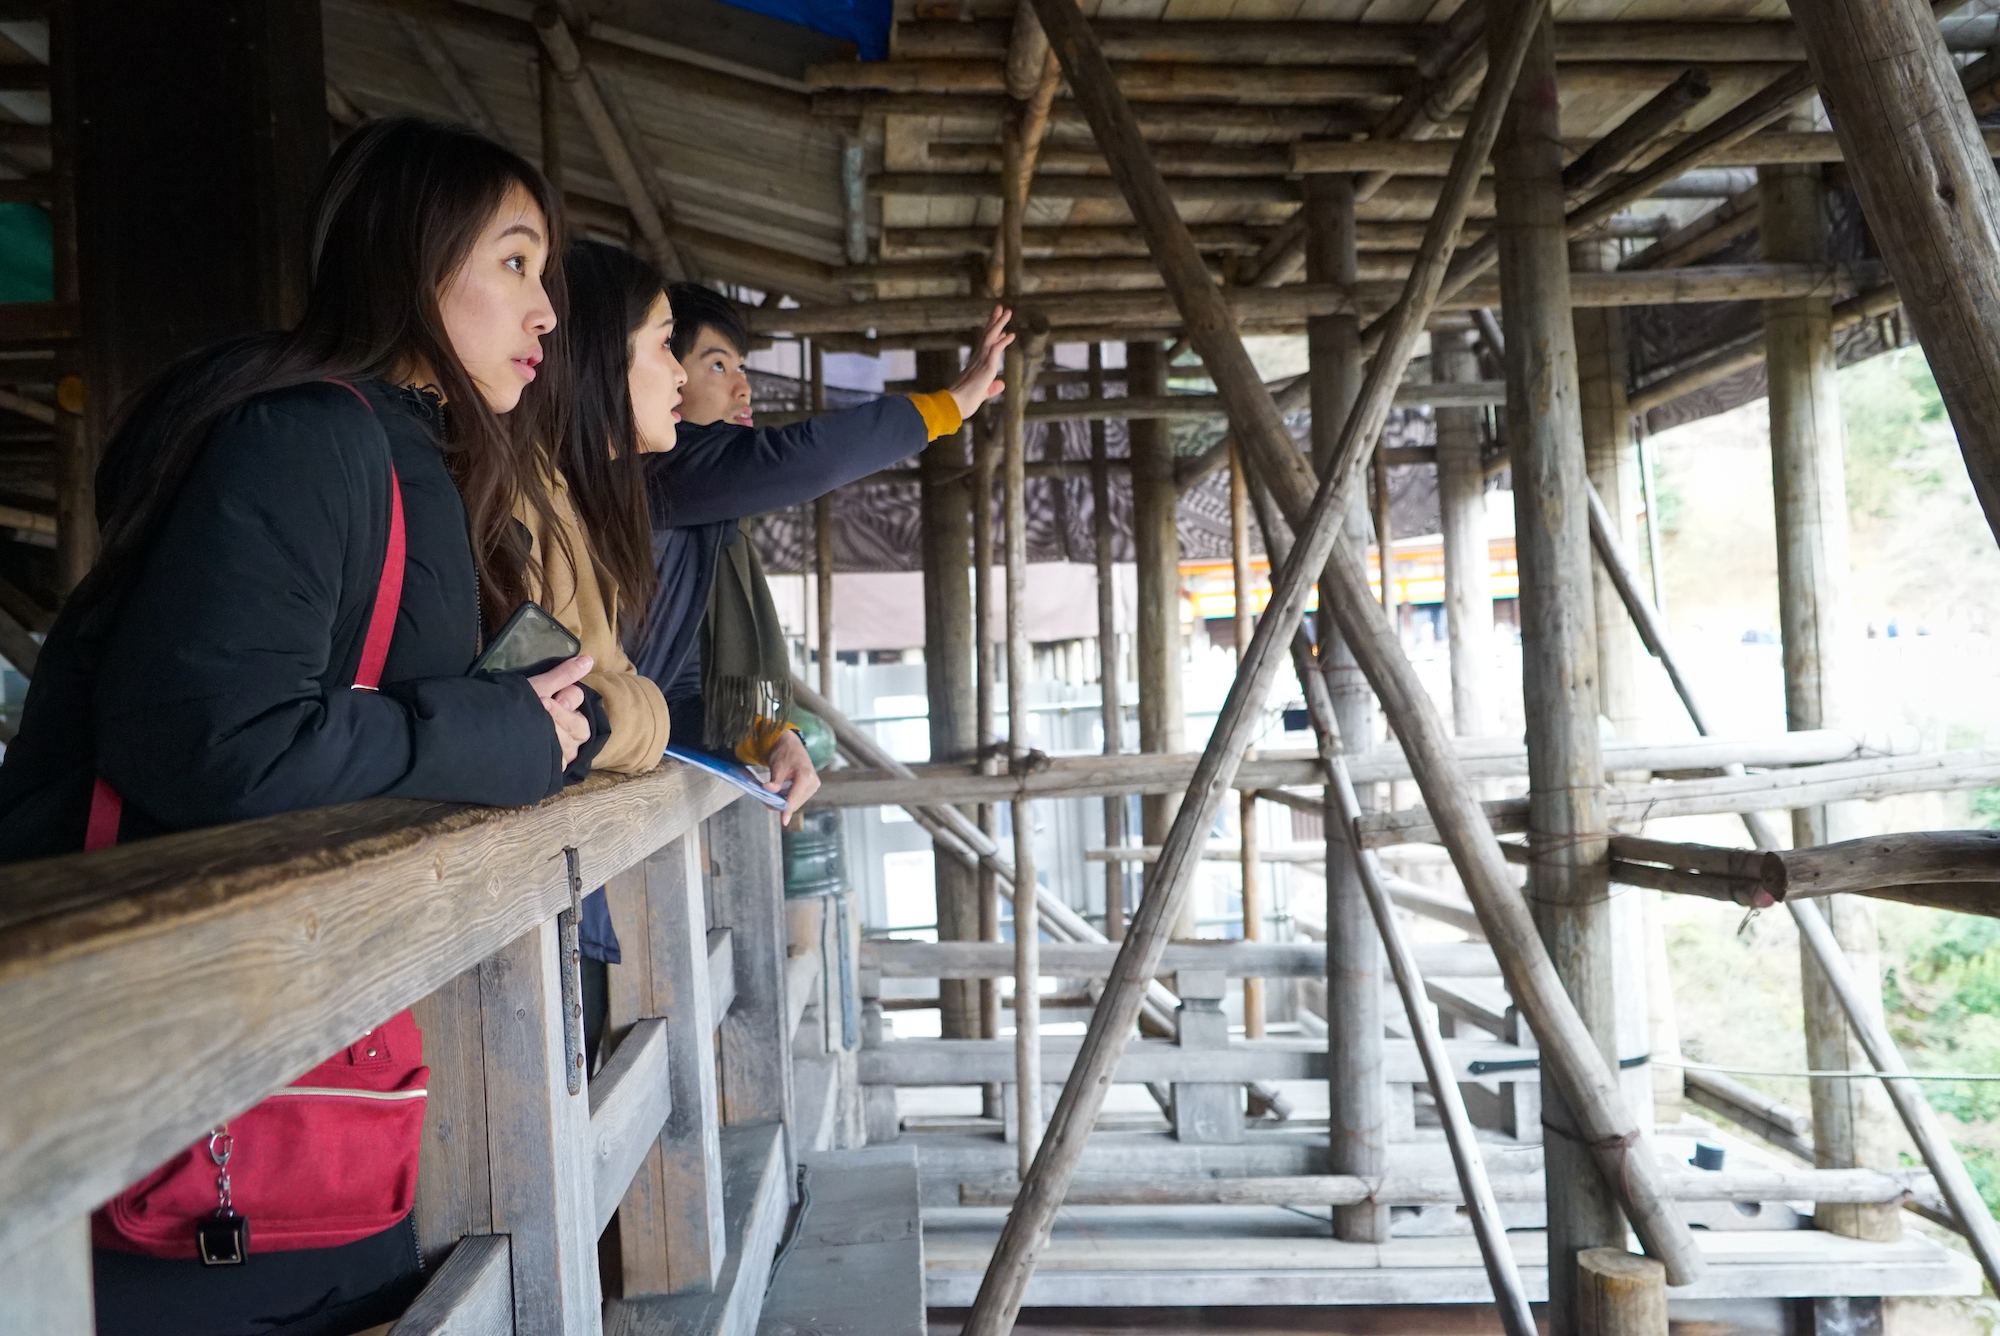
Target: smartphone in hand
531, 642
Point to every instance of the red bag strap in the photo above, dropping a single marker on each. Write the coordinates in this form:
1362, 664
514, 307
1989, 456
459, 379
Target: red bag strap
388, 596
107, 808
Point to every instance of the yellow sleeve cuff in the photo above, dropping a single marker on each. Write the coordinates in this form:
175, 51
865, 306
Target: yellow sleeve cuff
940, 410
764, 734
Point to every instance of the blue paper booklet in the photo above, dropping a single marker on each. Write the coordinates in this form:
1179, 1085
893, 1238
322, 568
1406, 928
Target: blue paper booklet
730, 770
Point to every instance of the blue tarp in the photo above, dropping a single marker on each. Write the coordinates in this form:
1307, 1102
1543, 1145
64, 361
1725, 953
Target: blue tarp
862, 22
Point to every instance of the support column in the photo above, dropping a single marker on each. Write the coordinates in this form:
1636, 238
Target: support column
1162, 714
1111, 697
1567, 879
1468, 569
1853, 1124
1611, 459
1358, 1100
947, 539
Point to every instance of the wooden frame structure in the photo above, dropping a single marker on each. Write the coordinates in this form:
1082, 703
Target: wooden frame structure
1504, 180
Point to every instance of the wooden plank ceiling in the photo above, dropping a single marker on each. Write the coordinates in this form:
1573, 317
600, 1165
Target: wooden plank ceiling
745, 119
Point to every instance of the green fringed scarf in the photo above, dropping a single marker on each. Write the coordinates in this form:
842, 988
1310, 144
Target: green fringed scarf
746, 670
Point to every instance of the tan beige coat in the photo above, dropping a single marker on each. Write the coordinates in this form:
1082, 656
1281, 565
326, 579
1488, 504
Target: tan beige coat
638, 712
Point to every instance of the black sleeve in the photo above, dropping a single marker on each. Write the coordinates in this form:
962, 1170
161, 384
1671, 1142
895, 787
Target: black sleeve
724, 472
220, 699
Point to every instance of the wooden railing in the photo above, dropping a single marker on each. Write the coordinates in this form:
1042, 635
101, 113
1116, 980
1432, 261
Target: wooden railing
160, 988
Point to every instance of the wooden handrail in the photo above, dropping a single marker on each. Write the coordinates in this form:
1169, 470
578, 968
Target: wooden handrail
174, 982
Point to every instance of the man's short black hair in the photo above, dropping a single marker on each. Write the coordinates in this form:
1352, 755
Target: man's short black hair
696, 306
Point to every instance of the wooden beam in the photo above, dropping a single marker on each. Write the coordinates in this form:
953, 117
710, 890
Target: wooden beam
431, 48
1755, 1185
1085, 960
1332, 42
1466, 394
472, 1291
1139, 81
1478, 758
1431, 157
1771, 791
1165, 120
1289, 307
637, 179
947, 1062
1924, 174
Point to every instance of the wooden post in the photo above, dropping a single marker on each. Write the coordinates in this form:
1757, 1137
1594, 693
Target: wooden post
823, 543
1852, 1120
746, 896
670, 1224
1928, 189
985, 439
1567, 882
1157, 648
1111, 710
1358, 1101
1382, 503
1246, 806
1618, 1294
538, 1139
1468, 566
1611, 459
948, 672
1020, 668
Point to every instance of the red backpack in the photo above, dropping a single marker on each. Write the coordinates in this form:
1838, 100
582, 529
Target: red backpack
331, 1158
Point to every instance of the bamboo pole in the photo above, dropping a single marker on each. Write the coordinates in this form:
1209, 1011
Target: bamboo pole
1111, 704
823, 544
1468, 573
1925, 177
1156, 555
1260, 429
1249, 857
619, 156
1023, 359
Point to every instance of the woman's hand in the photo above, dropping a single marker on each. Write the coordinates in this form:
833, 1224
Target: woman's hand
563, 699
980, 380
790, 765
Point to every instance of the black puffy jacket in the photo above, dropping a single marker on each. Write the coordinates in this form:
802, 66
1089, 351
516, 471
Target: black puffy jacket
218, 688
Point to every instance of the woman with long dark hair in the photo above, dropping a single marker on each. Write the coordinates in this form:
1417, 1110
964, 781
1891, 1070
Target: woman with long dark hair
711, 637
288, 518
